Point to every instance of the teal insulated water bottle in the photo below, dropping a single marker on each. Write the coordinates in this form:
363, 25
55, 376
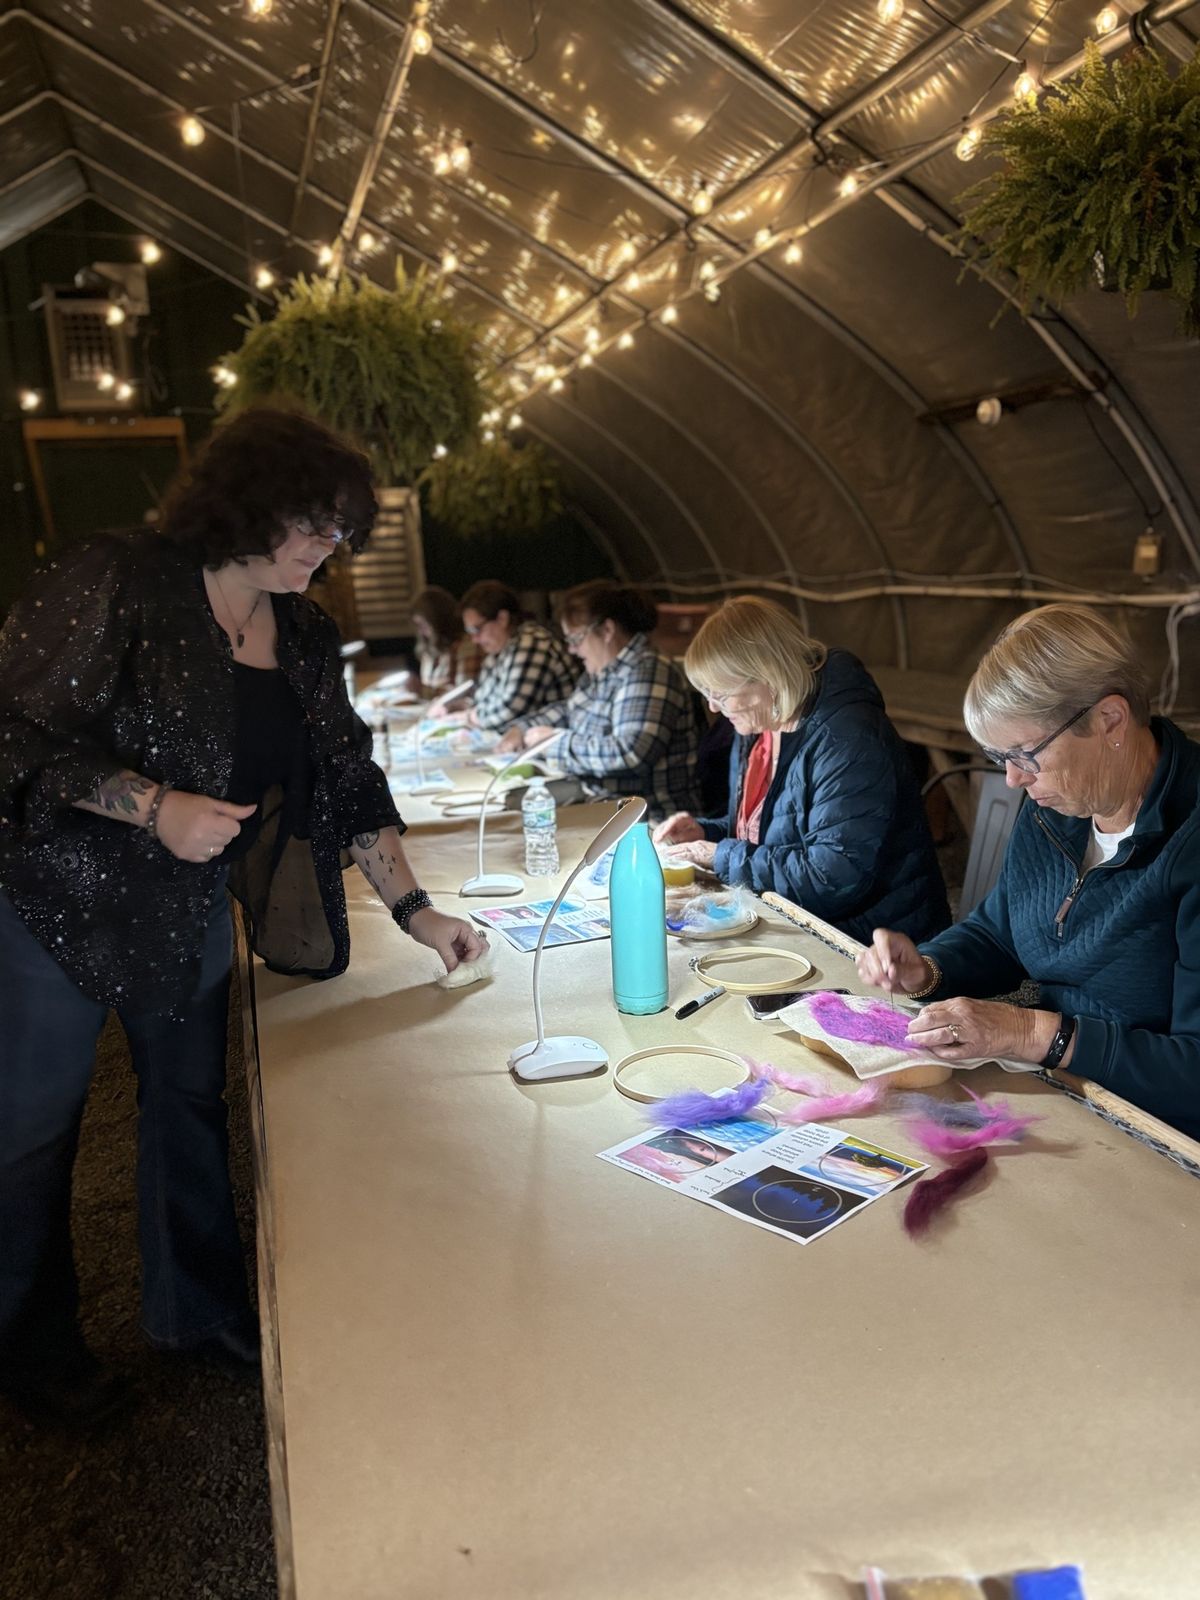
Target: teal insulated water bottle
638, 913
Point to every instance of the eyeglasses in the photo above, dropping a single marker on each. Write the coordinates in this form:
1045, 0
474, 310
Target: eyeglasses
473, 632
1027, 760
723, 700
336, 529
576, 636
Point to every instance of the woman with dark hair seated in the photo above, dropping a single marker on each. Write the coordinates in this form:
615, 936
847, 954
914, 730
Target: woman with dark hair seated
173, 716
633, 723
1098, 899
446, 657
525, 666
824, 807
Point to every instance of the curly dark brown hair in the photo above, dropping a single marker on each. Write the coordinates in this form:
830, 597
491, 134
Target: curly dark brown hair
602, 600
490, 597
258, 475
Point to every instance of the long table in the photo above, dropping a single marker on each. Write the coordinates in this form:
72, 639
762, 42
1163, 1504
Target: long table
499, 1368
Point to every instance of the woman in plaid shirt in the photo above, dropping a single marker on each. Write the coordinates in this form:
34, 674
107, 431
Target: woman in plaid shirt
525, 666
633, 723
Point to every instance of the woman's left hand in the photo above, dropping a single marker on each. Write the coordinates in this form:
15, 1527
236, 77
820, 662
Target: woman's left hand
453, 938
962, 1030
700, 852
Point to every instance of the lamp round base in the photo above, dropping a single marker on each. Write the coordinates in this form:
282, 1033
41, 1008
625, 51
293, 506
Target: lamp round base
562, 1056
435, 786
489, 883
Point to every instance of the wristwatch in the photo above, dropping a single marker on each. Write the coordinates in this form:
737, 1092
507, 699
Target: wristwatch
1058, 1045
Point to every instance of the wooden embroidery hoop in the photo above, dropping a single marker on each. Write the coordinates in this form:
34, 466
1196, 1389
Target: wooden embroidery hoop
621, 1085
702, 965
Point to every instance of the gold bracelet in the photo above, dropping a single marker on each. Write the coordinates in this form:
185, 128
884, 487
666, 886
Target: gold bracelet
934, 982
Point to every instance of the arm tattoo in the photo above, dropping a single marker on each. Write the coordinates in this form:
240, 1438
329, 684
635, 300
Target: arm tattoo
122, 792
364, 841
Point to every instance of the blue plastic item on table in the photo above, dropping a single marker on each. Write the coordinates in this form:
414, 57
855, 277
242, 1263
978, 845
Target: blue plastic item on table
637, 908
1057, 1583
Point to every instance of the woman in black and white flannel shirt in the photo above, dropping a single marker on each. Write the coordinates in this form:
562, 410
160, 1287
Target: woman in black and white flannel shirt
633, 723
525, 665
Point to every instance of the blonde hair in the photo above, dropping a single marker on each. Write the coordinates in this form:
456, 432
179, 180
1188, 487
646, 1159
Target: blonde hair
1048, 664
756, 641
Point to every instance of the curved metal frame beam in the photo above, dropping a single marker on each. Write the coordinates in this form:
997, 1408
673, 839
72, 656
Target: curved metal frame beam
606, 489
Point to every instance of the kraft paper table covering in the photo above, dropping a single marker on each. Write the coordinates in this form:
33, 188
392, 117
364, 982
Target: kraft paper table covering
514, 1372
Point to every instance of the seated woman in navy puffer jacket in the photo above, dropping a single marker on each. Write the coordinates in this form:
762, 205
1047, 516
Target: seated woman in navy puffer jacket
824, 806
1099, 895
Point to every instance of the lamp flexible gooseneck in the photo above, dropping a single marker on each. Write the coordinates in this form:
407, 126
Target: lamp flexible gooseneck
488, 883
421, 786
565, 1055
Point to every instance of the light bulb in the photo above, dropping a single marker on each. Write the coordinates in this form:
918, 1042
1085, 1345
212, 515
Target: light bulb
849, 185
1107, 20
763, 238
123, 391
449, 262
968, 146
989, 411
707, 269
670, 313
702, 200
105, 381
626, 251
889, 10
1025, 86
625, 342
150, 253
367, 242
563, 292
488, 436
260, 8
422, 40
542, 371
325, 256
712, 292
115, 315
592, 338
29, 399
442, 164
440, 452
225, 377
794, 253
556, 385
191, 131
264, 278
460, 155
633, 281
586, 359
516, 420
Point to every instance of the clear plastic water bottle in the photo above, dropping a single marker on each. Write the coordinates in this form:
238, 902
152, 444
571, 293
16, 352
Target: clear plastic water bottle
637, 913
539, 814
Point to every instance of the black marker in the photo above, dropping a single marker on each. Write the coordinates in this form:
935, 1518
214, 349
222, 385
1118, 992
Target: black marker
694, 1005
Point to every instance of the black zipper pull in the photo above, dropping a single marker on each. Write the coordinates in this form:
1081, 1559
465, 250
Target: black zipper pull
1061, 914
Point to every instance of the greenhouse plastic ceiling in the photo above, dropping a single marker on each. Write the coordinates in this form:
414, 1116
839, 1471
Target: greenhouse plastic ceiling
780, 390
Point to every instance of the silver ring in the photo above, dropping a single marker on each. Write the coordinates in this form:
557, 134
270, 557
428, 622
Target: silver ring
212, 849
953, 1029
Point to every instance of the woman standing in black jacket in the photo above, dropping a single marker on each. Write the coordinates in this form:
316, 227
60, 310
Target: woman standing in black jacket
173, 718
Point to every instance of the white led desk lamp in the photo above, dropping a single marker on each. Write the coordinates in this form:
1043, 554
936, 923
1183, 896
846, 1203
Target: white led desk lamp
492, 883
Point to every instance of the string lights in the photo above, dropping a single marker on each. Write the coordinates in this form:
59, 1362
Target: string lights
224, 376
794, 253
124, 390
849, 185
264, 278
422, 40
702, 200
889, 10
115, 315
763, 238
670, 313
29, 399
106, 382
460, 155
325, 256
625, 342
150, 253
367, 242
191, 131
967, 147
260, 8
1025, 85
450, 263
1105, 21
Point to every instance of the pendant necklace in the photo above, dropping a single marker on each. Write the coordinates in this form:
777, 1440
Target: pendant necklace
239, 632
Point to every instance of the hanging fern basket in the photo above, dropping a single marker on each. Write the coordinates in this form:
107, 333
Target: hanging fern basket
1100, 183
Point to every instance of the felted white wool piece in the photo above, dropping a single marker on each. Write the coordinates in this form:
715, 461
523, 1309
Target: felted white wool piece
468, 972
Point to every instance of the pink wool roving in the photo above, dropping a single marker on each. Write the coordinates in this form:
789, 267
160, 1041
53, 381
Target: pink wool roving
875, 1024
819, 1104
997, 1124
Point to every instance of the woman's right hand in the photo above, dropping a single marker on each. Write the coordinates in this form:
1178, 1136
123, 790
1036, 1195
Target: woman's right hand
514, 739
682, 828
893, 962
195, 827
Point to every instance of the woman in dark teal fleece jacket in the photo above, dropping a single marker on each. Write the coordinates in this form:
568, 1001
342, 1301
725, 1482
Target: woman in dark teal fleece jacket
824, 806
1099, 895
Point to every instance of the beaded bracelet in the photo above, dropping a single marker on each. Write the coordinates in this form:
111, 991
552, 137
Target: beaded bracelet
151, 822
407, 907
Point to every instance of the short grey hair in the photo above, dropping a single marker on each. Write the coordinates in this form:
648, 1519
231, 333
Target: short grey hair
1050, 663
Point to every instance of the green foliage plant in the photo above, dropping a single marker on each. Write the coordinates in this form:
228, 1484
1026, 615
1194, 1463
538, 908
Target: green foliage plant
1101, 178
493, 488
393, 369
